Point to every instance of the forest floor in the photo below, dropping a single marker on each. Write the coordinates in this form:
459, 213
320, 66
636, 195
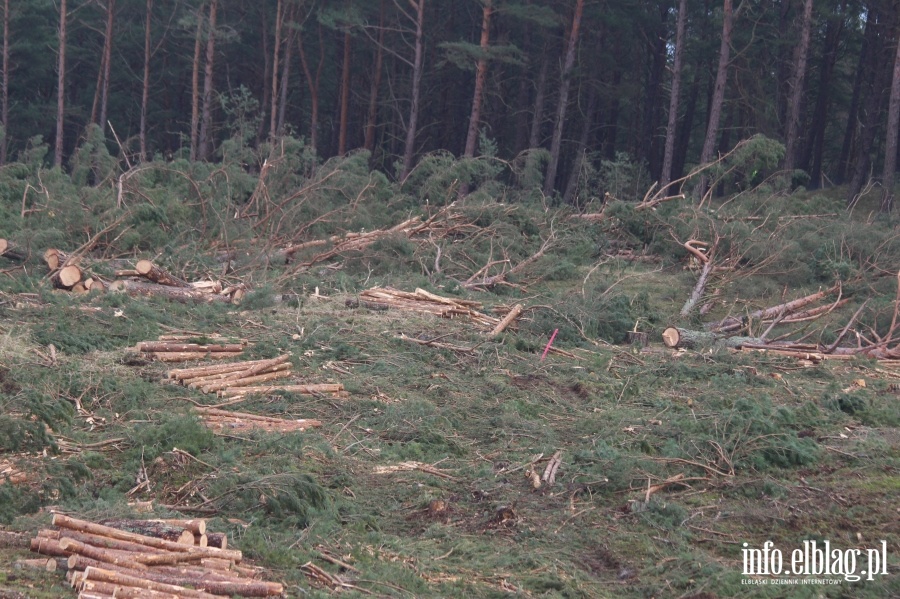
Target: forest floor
421, 481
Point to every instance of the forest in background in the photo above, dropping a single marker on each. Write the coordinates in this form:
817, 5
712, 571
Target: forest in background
569, 86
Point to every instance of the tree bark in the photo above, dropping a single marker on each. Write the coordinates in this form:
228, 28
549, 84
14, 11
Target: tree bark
60, 86
4, 86
145, 88
409, 147
480, 76
371, 120
195, 86
313, 84
556, 143
796, 90
890, 146
205, 138
718, 97
864, 69
678, 338
678, 61
345, 95
273, 117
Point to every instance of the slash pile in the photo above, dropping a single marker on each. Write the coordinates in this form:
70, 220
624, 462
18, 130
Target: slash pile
139, 558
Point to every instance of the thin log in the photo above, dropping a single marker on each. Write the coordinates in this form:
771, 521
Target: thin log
312, 389
93, 586
653, 489
101, 555
699, 288
168, 346
178, 294
734, 324
46, 564
507, 320
199, 371
261, 367
152, 272
549, 475
200, 381
249, 381
70, 523
165, 559
11, 252
188, 356
151, 528
95, 540
13, 539
111, 576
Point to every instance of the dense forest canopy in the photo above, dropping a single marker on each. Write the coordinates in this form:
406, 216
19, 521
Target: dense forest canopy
586, 81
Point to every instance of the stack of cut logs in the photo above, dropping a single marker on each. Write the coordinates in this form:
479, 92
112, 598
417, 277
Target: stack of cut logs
155, 559
145, 279
178, 348
225, 421
427, 302
237, 379
9, 472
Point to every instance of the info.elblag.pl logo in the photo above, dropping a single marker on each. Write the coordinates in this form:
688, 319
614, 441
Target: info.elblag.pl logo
816, 559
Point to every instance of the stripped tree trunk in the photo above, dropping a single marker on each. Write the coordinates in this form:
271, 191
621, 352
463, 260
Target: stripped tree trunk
345, 96
890, 157
205, 138
145, 91
418, 66
796, 90
556, 143
718, 97
669, 151
60, 85
480, 76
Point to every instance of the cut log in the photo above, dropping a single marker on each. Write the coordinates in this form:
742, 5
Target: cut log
201, 540
108, 556
178, 294
246, 382
735, 324
96, 540
13, 539
11, 252
188, 356
66, 277
322, 388
200, 381
104, 575
168, 346
46, 564
198, 371
195, 525
507, 320
151, 528
55, 259
70, 523
217, 539
154, 273
678, 338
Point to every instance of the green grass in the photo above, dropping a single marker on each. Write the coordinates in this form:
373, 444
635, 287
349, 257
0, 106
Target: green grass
771, 449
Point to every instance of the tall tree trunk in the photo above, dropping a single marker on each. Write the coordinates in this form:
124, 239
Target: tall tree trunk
205, 139
648, 143
313, 82
534, 138
669, 151
893, 128
145, 89
815, 149
195, 86
60, 86
718, 97
376, 84
273, 120
556, 143
863, 69
409, 147
796, 89
285, 78
4, 85
587, 127
345, 96
107, 60
480, 76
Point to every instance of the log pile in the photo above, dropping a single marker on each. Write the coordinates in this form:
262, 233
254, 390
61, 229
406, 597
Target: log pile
9, 251
145, 279
179, 348
137, 558
429, 303
225, 421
